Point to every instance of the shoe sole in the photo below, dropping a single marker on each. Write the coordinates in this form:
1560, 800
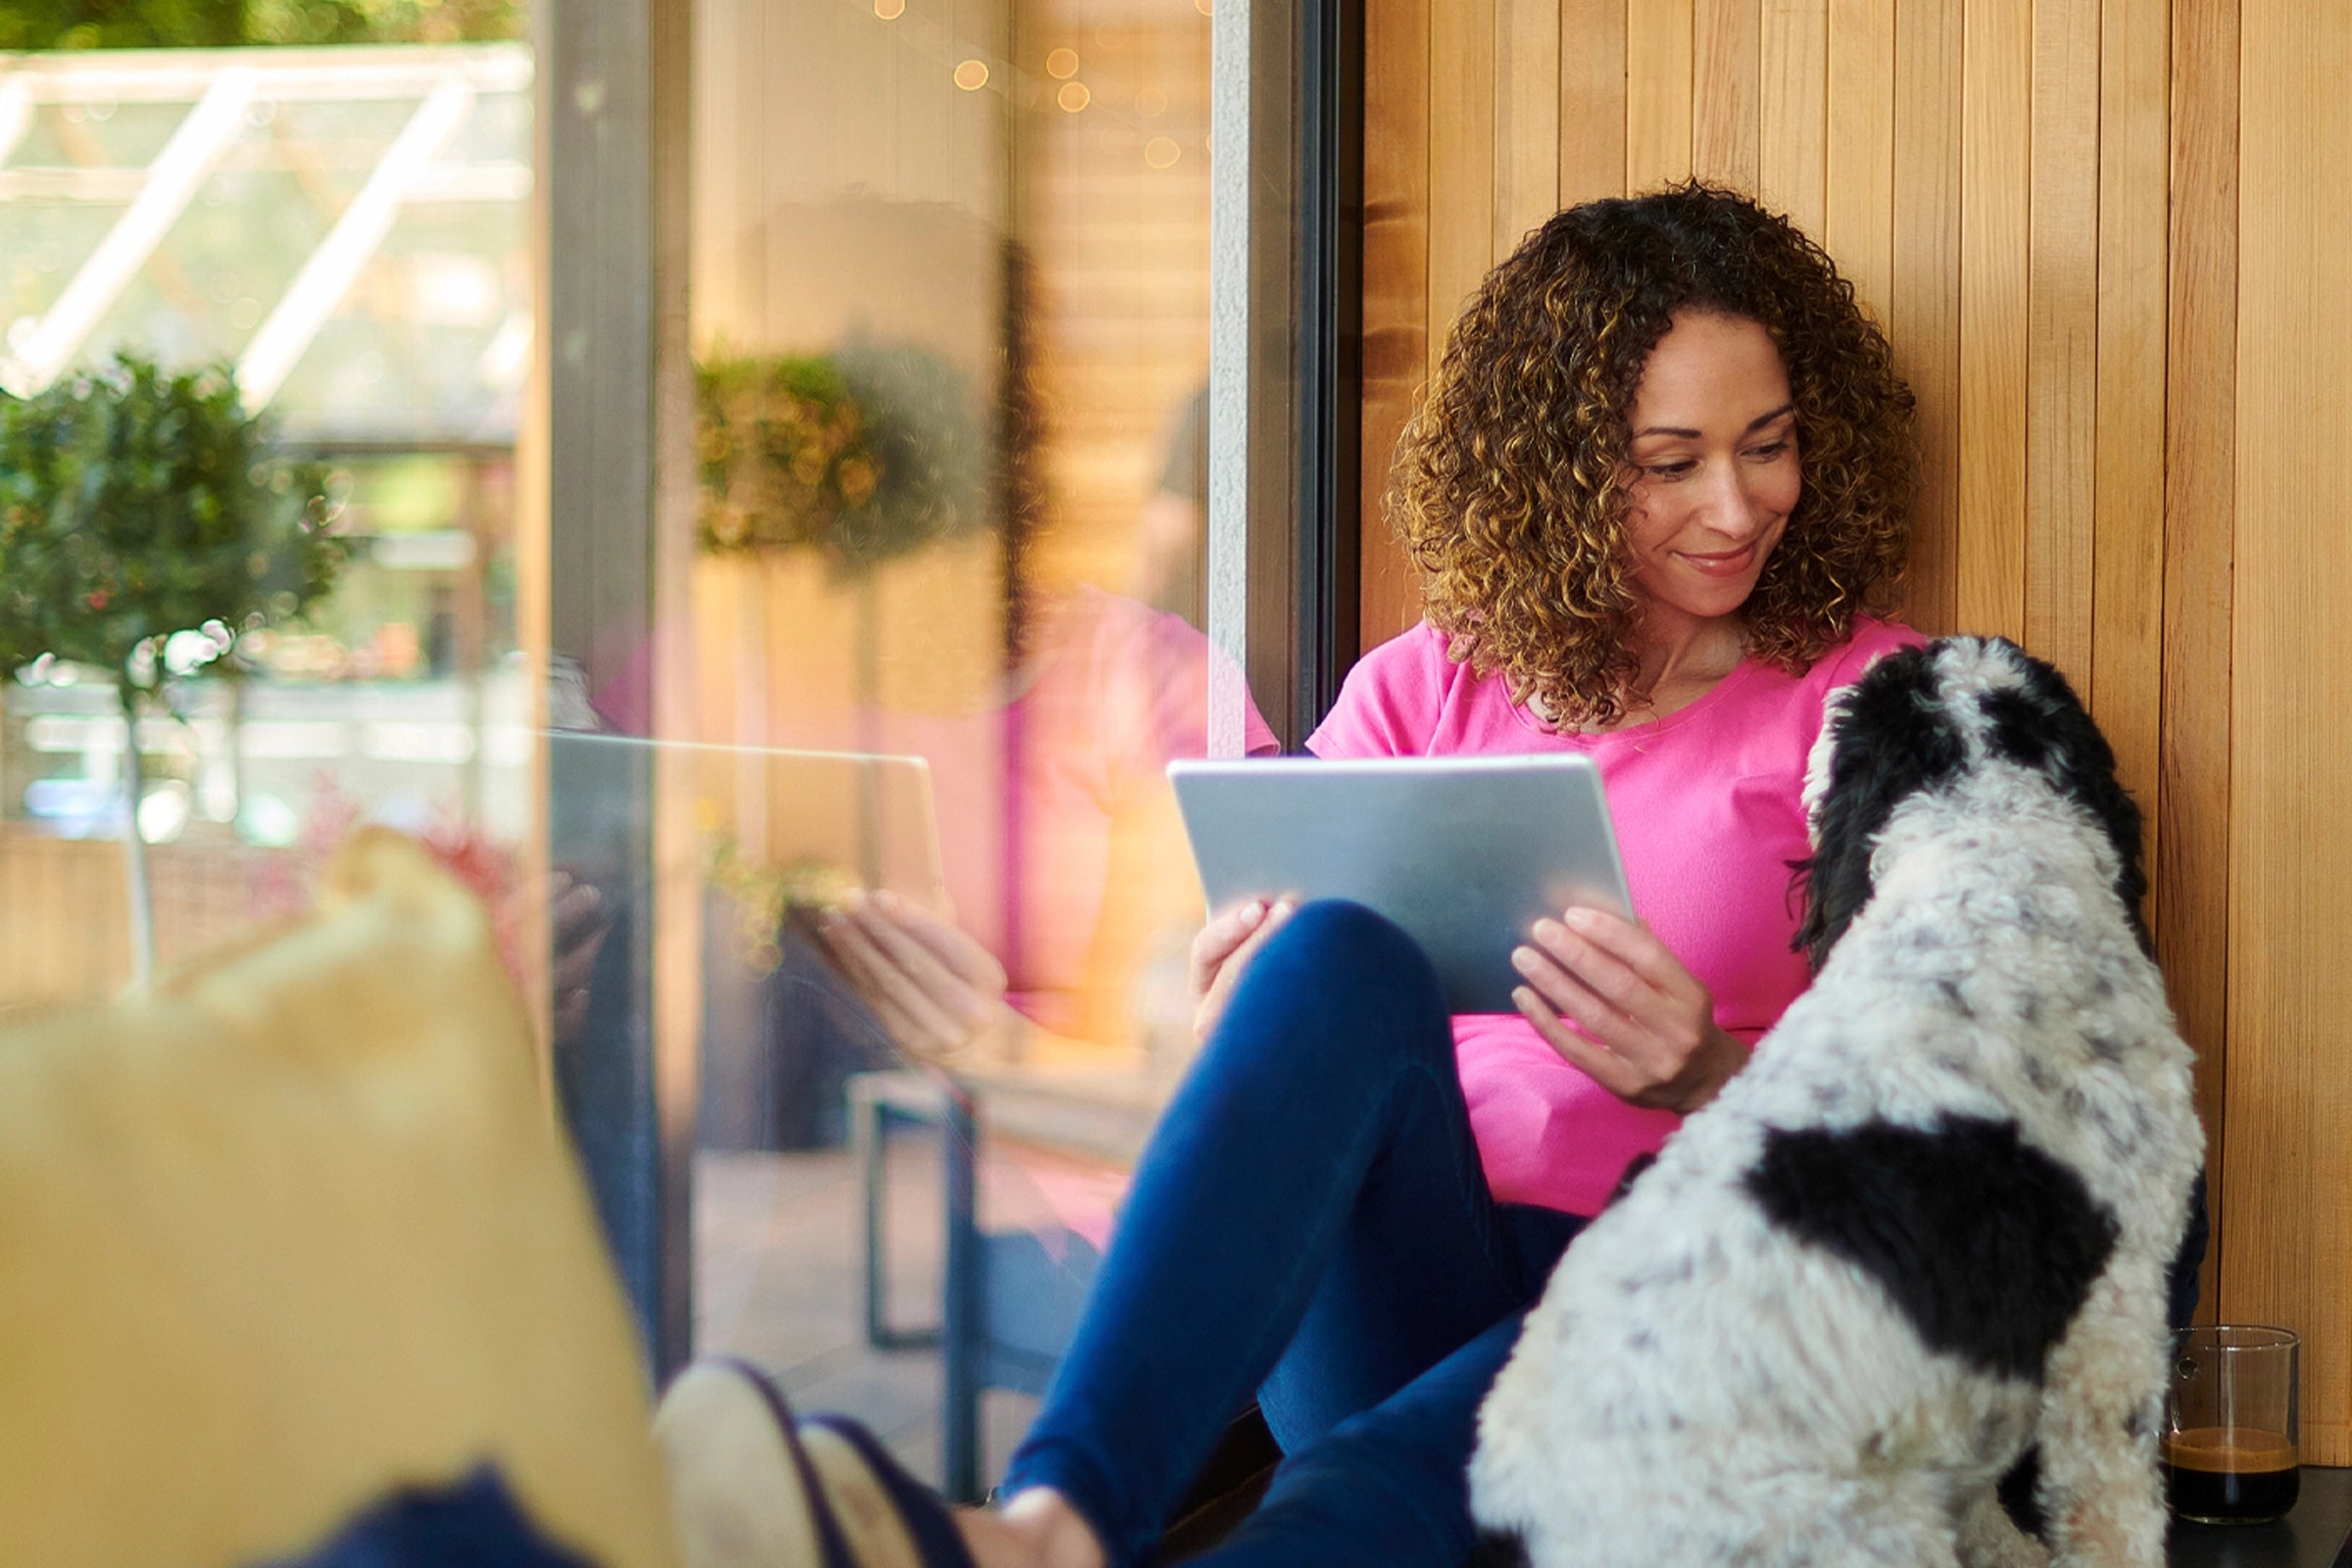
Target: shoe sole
753, 1488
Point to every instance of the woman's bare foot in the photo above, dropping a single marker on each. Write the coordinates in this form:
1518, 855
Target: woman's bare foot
1034, 1529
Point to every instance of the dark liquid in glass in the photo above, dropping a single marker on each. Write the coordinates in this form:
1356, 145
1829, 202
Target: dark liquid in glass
2230, 1475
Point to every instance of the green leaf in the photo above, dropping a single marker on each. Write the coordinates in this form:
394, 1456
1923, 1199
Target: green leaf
135, 503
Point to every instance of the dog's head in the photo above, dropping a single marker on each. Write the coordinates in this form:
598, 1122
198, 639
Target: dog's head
1921, 719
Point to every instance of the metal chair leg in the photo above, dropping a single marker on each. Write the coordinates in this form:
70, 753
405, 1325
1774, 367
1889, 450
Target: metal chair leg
964, 1324
871, 1118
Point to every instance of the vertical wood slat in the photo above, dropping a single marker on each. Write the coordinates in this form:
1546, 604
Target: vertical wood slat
1925, 291
1858, 157
1726, 90
1526, 118
1657, 92
2127, 519
1995, 128
1593, 100
1462, 159
46, 960
2193, 803
1791, 152
2288, 1202
1395, 289
2062, 308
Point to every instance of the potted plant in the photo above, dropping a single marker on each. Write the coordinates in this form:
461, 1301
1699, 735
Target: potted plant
146, 527
862, 455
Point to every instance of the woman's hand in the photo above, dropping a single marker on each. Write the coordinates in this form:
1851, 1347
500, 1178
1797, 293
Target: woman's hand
1649, 1032
936, 991
577, 924
1223, 950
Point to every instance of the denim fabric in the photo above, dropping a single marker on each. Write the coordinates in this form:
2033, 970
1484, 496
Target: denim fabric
472, 1523
1310, 1223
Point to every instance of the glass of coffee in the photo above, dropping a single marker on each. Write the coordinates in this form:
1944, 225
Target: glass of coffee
2228, 1452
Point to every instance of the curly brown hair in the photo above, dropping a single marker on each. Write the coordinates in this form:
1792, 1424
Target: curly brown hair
1511, 486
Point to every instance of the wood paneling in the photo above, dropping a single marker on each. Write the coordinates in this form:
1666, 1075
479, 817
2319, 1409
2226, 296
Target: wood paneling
1461, 158
1995, 170
1727, 51
1658, 42
2062, 307
2129, 428
1793, 161
46, 960
65, 922
2127, 624
1858, 155
2289, 1205
1526, 118
1925, 291
1592, 99
2201, 478
1396, 298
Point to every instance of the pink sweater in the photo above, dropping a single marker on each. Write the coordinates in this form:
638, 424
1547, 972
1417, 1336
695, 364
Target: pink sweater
1706, 807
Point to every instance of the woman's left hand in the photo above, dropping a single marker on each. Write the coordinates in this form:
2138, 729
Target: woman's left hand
938, 992
1649, 1031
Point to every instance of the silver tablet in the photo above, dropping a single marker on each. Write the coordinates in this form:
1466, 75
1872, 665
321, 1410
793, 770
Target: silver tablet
806, 827
1465, 852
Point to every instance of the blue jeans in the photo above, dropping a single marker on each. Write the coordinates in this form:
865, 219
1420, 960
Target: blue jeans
1310, 1223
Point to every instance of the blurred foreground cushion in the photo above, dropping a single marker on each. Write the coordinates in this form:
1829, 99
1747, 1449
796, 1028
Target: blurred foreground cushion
296, 1232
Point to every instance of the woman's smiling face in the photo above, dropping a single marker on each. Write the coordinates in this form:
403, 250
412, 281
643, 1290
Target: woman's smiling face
1715, 466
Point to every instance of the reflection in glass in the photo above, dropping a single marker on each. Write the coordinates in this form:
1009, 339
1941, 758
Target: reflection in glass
949, 307
344, 229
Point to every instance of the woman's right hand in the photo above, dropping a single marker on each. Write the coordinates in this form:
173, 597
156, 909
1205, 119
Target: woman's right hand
1223, 950
938, 994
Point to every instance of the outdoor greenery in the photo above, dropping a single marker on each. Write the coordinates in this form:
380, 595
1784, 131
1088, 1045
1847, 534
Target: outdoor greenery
219, 23
136, 503
145, 527
784, 451
862, 455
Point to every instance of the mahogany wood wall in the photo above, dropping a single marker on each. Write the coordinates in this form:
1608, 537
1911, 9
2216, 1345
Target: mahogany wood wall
2106, 238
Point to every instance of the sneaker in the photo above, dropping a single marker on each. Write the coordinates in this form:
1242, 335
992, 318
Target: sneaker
752, 1487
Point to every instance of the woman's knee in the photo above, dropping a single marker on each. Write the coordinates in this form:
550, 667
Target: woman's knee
1342, 931
1335, 955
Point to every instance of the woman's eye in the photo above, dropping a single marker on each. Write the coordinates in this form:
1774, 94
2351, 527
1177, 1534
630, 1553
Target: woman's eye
1770, 450
1669, 471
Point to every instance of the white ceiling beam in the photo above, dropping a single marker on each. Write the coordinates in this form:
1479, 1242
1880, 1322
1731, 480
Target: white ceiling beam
504, 180
287, 75
285, 335
171, 180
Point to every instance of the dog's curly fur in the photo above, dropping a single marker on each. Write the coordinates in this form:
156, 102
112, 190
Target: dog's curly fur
1911, 1263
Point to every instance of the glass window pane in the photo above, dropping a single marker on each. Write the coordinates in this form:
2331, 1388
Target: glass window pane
203, 207
950, 317
943, 609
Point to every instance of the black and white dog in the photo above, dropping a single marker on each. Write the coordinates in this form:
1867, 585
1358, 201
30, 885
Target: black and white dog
1913, 1258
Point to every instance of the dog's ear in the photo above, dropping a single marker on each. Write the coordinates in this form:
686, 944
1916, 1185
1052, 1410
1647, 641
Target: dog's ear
1891, 740
2040, 724
1499, 1548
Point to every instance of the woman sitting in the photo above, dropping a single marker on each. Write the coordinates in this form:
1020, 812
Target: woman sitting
1662, 476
